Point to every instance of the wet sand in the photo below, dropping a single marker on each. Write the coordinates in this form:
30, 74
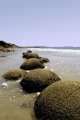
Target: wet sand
14, 102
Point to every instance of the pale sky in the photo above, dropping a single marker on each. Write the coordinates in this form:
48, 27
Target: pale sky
40, 22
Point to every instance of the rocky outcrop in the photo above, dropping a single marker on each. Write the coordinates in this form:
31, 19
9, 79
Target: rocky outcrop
38, 79
6, 47
59, 101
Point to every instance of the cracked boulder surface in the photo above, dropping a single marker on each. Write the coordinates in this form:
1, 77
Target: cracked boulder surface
38, 79
59, 101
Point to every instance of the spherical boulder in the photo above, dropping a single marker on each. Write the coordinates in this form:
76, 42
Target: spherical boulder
59, 101
32, 63
25, 54
44, 60
38, 79
32, 55
14, 74
29, 51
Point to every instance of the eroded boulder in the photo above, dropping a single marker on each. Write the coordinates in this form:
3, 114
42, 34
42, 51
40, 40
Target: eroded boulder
32, 63
38, 79
14, 74
59, 101
43, 60
25, 54
32, 55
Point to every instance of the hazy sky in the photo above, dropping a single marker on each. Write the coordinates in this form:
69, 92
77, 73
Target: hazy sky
40, 22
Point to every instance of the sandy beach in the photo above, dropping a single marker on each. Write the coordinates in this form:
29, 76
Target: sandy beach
17, 104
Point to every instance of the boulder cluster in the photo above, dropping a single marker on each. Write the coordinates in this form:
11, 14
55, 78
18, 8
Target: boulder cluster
38, 78
58, 100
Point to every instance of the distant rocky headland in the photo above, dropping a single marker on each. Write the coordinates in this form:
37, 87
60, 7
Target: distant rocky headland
6, 47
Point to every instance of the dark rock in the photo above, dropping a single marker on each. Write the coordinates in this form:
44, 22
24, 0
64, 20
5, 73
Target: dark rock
59, 101
44, 60
29, 51
2, 56
32, 63
32, 55
25, 54
14, 74
37, 80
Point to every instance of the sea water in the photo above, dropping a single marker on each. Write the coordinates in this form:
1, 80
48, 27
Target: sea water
15, 104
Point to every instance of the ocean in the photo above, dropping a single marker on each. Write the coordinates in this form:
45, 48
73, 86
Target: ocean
15, 104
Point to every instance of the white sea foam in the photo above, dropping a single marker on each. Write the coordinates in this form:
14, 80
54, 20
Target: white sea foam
38, 93
45, 67
57, 50
18, 80
28, 71
4, 84
52, 69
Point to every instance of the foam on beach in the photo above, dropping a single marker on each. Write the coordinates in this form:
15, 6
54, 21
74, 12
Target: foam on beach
73, 51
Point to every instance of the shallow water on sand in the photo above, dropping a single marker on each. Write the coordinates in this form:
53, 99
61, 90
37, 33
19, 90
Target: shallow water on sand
15, 104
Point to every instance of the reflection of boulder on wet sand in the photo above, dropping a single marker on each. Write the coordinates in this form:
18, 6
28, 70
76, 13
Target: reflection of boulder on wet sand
38, 79
32, 63
14, 74
59, 101
6, 47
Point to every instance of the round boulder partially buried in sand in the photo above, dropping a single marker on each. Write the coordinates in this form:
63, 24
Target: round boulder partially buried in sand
59, 101
25, 54
14, 74
32, 63
43, 60
38, 79
32, 55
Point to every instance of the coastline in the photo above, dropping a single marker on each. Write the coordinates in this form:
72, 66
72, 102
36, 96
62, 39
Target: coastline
7, 47
15, 99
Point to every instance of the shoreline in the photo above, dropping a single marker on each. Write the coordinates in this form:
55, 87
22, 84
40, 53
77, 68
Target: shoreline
15, 98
